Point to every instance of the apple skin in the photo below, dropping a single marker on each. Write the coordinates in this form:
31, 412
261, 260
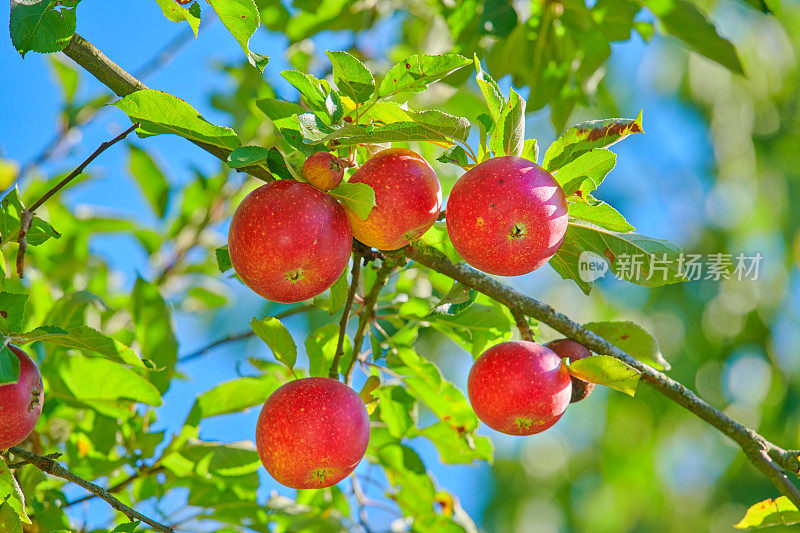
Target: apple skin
323, 170
289, 241
312, 433
20, 402
573, 351
407, 199
519, 387
506, 216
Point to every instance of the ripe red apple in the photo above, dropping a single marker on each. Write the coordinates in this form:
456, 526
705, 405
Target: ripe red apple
289, 241
519, 387
323, 170
573, 351
312, 433
20, 402
506, 216
407, 199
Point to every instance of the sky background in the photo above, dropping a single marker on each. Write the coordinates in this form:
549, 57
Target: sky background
670, 202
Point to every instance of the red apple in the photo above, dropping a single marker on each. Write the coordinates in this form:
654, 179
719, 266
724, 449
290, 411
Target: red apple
312, 433
20, 402
573, 351
519, 387
506, 216
407, 199
289, 241
323, 170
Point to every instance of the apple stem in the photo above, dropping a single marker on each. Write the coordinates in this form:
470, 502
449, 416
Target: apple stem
523, 326
355, 274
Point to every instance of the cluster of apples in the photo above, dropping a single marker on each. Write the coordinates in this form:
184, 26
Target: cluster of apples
290, 241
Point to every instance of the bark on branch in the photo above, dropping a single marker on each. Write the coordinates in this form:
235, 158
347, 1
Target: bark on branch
45, 464
766, 456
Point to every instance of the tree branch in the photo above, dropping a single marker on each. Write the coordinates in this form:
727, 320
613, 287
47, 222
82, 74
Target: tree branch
243, 335
26, 217
367, 310
53, 468
351, 293
524, 328
122, 83
765, 455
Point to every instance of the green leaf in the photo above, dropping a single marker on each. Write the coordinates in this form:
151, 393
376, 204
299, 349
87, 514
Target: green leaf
357, 197
9, 366
246, 156
235, 396
152, 319
397, 409
314, 91
69, 311
279, 111
457, 300
277, 337
458, 447
177, 13
12, 311
351, 76
45, 26
600, 214
530, 150
321, 347
67, 76
778, 512
433, 125
631, 257
633, 339
682, 19
338, 293
161, 113
456, 155
84, 338
92, 379
11, 494
150, 178
585, 173
491, 93
10, 211
10, 520
416, 72
223, 258
608, 371
509, 133
242, 20
586, 136
476, 328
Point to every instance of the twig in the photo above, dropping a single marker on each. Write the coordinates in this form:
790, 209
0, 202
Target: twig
54, 455
355, 275
158, 61
122, 83
26, 217
243, 335
368, 309
762, 453
361, 503
522, 325
119, 486
55, 469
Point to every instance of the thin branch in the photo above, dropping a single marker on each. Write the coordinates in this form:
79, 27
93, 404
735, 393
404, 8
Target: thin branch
122, 485
522, 324
54, 455
351, 293
752, 443
361, 502
26, 217
389, 263
122, 83
243, 335
55, 469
